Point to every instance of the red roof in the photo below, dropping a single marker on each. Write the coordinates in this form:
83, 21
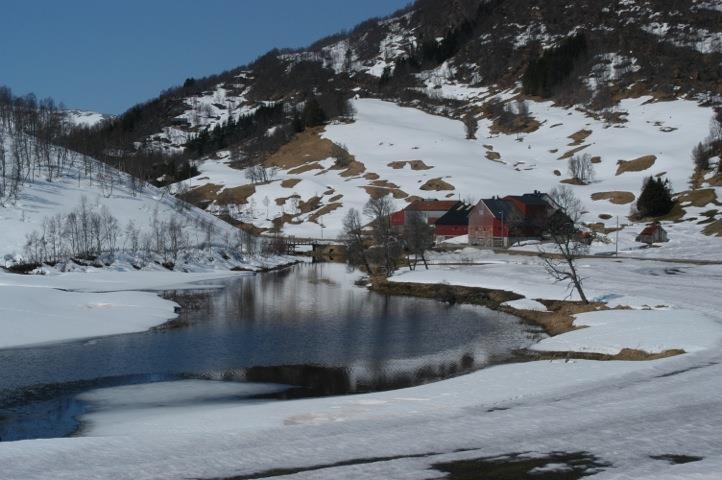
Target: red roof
432, 205
651, 229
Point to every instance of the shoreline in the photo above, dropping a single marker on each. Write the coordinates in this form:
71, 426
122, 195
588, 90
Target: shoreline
557, 320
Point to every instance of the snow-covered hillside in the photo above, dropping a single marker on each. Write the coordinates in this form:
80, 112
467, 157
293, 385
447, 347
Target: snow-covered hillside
136, 210
84, 118
409, 153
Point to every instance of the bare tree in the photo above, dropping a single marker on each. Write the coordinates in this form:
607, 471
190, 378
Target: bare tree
355, 241
387, 246
564, 233
581, 168
419, 237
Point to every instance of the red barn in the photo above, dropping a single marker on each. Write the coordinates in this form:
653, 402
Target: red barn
430, 210
535, 209
491, 221
454, 223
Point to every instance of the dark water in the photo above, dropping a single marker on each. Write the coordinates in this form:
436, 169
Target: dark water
307, 315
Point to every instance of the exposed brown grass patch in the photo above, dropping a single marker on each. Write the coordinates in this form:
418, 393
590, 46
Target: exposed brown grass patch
304, 148
371, 176
437, 185
626, 354
605, 216
573, 151
637, 165
414, 164
201, 196
282, 200
560, 317
290, 182
309, 205
596, 159
579, 137
713, 229
572, 181
557, 173
519, 125
615, 197
384, 184
493, 156
354, 169
379, 192
698, 198
323, 211
335, 198
236, 195
305, 168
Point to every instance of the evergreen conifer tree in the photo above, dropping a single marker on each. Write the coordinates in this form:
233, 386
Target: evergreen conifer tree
656, 198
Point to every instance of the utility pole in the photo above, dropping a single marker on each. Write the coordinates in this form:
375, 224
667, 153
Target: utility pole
616, 243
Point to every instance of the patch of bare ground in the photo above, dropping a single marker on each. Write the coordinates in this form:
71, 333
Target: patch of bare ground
626, 354
573, 151
335, 198
246, 227
384, 184
379, 192
290, 182
451, 294
596, 159
572, 181
309, 205
493, 156
605, 216
305, 168
236, 195
637, 165
698, 198
371, 176
418, 165
579, 137
281, 201
557, 173
437, 185
353, 169
560, 315
557, 320
713, 229
324, 210
306, 147
615, 197
201, 196
518, 125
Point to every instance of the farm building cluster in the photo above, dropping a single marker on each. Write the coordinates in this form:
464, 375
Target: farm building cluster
497, 222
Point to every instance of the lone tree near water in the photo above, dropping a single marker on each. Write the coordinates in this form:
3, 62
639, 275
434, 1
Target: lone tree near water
570, 244
386, 248
419, 236
355, 241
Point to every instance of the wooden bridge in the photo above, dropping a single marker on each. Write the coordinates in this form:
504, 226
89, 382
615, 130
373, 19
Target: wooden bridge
319, 247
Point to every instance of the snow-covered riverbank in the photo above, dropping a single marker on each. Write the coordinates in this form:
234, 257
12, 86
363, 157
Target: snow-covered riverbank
624, 413
38, 309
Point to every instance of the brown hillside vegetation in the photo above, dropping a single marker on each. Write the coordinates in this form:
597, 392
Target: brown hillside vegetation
698, 198
579, 137
290, 182
637, 165
437, 185
305, 148
616, 197
414, 164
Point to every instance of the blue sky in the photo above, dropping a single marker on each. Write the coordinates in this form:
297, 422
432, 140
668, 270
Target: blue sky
108, 55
